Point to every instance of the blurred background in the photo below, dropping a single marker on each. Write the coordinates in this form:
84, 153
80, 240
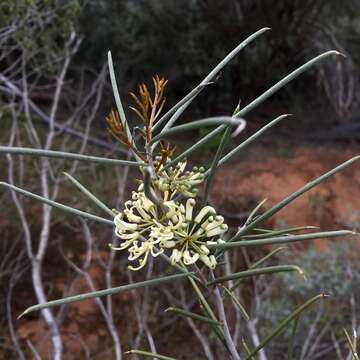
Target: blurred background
55, 93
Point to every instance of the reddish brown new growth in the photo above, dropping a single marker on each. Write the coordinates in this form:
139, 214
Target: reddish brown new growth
148, 109
166, 151
116, 129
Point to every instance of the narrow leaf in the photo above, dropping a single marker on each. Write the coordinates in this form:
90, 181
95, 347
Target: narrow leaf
250, 139
216, 120
214, 164
352, 345
280, 239
211, 75
258, 263
149, 355
278, 232
281, 327
237, 303
285, 81
119, 103
293, 196
65, 156
267, 257
89, 194
256, 272
292, 340
208, 311
195, 147
57, 205
282, 83
106, 292
192, 315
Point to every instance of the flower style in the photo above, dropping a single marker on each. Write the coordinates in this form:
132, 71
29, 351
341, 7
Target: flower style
144, 230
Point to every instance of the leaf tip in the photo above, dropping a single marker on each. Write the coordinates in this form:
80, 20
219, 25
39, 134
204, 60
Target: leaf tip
339, 53
23, 313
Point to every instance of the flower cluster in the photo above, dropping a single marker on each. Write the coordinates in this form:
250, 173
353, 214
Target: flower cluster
176, 180
144, 229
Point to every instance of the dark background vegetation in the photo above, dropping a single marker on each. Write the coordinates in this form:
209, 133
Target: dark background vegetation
182, 41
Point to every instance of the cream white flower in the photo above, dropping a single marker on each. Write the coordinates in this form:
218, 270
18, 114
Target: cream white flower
146, 247
176, 180
145, 230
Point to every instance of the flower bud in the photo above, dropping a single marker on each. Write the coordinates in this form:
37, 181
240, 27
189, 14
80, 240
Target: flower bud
203, 212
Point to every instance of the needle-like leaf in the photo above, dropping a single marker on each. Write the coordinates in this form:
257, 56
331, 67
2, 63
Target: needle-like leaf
92, 197
191, 96
280, 240
237, 303
216, 120
56, 204
119, 105
65, 156
149, 354
192, 315
256, 272
281, 327
195, 147
214, 164
293, 196
106, 292
249, 140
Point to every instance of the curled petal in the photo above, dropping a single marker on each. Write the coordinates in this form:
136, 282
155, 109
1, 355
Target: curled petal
121, 224
190, 203
203, 212
209, 261
217, 231
204, 249
175, 256
190, 259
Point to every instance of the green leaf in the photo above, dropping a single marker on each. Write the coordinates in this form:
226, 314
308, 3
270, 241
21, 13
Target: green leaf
149, 354
106, 292
216, 120
281, 84
192, 315
293, 196
267, 256
208, 311
191, 96
237, 303
292, 340
65, 156
194, 147
214, 164
352, 345
250, 139
57, 205
275, 88
258, 263
281, 327
256, 272
89, 194
280, 240
118, 102
271, 233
